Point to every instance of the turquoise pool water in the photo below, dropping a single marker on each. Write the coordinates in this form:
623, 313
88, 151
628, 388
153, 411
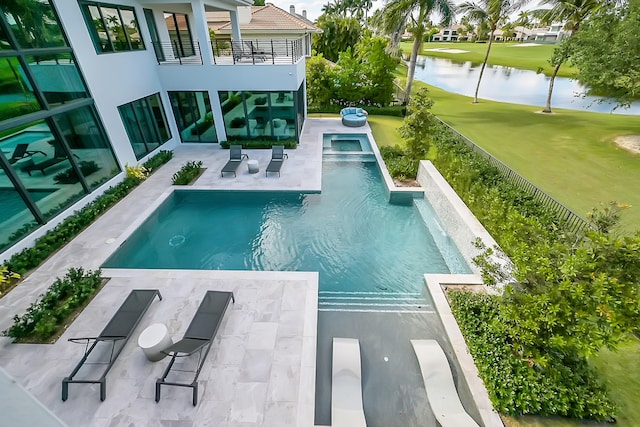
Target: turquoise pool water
25, 137
341, 143
361, 245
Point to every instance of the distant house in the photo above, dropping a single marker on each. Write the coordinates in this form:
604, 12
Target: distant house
448, 34
551, 34
265, 22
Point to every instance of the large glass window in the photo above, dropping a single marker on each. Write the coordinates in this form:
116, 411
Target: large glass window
40, 160
194, 118
179, 34
113, 28
82, 132
33, 23
263, 115
18, 97
146, 124
16, 220
58, 77
153, 31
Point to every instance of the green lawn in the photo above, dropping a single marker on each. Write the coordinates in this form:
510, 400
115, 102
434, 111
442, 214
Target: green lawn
508, 54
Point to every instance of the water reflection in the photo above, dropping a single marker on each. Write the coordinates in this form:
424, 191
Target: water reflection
507, 84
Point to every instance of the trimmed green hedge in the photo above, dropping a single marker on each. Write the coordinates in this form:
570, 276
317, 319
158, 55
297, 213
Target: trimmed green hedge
260, 143
566, 386
187, 173
395, 111
70, 227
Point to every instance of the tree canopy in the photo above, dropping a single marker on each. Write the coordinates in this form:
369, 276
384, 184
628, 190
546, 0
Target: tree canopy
338, 34
607, 52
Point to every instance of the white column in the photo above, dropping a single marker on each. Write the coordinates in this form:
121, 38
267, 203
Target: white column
202, 31
235, 26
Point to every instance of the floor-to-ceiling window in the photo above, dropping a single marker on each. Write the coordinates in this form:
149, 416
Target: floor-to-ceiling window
194, 118
179, 34
53, 148
146, 124
270, 115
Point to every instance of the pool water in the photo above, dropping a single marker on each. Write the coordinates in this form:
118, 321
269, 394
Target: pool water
8, 144
12, 204
340, 143
364, 248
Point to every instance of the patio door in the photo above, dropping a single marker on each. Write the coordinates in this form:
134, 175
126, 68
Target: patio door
179, 34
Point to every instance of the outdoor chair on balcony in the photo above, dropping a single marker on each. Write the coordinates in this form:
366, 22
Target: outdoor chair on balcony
277, 158
22, 152
235, 158
197, 339
438, 382
115, 334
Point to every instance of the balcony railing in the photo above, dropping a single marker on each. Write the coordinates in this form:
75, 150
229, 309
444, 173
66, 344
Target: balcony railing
176, 52
259, 51
262, 51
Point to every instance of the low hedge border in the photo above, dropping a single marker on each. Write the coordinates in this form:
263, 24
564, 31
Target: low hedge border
49, 317
394, 111
187, 173
260, 143
54, 239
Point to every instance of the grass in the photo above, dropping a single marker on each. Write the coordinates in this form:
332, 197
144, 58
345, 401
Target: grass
570, 154
526, 58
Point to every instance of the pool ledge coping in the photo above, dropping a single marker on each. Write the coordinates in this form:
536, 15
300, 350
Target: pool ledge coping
435, 284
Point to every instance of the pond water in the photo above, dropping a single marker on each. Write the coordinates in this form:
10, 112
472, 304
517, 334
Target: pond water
512, 85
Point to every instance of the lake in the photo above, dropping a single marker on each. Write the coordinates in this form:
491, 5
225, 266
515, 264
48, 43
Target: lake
512, 85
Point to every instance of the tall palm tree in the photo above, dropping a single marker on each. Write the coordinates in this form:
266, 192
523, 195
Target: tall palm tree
415, 15
493, 13
573, 12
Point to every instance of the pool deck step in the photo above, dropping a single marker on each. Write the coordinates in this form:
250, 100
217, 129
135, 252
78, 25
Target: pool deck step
373, 302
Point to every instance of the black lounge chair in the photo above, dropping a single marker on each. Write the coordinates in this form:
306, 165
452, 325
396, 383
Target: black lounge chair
277, 158
235, 158
197, 338
22, 151
117, 333
59, 155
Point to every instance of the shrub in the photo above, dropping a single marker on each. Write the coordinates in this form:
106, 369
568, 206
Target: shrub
261, 143
158, 160
231, 103
398, 164
138, 172
261, 100
565, 386
6, 278
187, 173
46, 317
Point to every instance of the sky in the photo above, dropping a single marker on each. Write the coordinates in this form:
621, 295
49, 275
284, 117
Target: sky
314, 7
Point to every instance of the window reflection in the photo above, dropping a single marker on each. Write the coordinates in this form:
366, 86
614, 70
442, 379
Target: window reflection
112, 27
4, 40
261, 115
146, 124
192, 111
90, 149
58, 77
18, 94
43, 167
33, 23
16, 220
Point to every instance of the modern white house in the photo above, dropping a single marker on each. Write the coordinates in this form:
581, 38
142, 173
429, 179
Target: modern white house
88, 87
447, 34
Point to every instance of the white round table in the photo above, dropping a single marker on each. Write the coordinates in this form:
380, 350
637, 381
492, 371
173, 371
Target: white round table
253, 166
153, 340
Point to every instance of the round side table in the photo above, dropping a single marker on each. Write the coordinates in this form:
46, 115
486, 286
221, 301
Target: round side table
153, 340
253, 166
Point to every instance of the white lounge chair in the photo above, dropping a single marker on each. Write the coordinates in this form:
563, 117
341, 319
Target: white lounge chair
346, 384
438, 381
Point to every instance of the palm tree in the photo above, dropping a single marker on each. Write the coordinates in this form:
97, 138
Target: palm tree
414, 14
493, 13
573, 12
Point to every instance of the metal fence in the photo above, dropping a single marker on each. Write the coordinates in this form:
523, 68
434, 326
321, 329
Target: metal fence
178, 52
569, 219
258, 51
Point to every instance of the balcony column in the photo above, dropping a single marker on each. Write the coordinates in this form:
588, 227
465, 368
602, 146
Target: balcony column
202, 32
235, 26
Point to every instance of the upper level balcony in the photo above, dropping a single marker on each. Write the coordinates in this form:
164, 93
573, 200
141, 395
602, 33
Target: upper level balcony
227, 52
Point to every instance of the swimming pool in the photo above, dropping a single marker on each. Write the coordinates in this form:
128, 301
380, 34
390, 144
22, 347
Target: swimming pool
8, 144
341, 143
370, 254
